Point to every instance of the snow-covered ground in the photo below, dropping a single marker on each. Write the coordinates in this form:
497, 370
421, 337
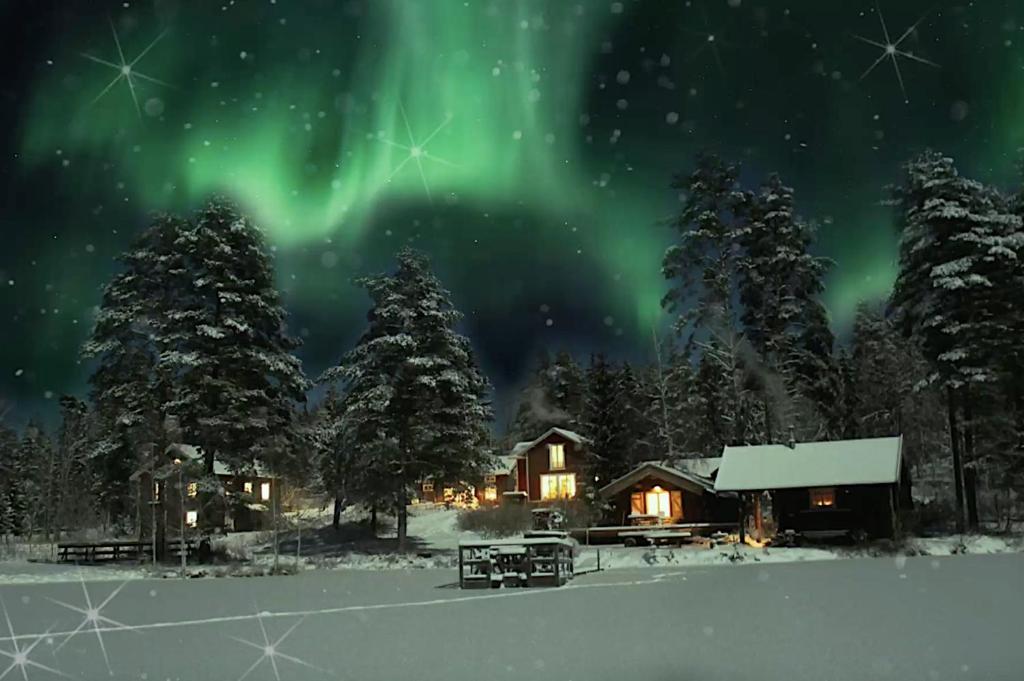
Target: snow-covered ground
843, 620
434, 536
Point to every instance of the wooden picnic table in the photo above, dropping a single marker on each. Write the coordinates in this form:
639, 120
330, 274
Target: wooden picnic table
517, 561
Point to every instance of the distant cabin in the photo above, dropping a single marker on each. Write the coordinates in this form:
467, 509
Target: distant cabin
818, 489
237, 501
548, 468
672, 491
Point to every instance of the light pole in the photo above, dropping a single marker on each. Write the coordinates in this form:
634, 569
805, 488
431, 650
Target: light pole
181, 515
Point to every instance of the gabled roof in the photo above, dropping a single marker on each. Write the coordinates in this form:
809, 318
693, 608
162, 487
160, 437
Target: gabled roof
866, 461
660, 470
521, 448
501, 465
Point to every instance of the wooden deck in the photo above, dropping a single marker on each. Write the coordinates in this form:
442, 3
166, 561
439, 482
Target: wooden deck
520, 561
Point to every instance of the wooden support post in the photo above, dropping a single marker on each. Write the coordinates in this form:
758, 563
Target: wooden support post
743, 519
462, 581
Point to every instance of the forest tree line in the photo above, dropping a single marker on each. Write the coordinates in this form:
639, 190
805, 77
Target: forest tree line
192, 329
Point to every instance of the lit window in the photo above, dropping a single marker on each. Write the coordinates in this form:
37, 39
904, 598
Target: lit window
428, 487
156, 491
193, 489
448, 494
823, 497
490, 493
489, 479
558, 486
247, 487
556, 457
192, 518
265, 491
658, 504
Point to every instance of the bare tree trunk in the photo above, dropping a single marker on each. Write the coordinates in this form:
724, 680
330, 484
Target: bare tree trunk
373, 519
403, 520
958, 470
336, 519
970, 472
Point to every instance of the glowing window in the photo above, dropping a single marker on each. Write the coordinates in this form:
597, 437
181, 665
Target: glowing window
247, 487
448, 493
490, 493
489, 479
556, 457
265, 491
193, 489
823, 497
558, 486
192, 518
156, 491
428, 487
658, 504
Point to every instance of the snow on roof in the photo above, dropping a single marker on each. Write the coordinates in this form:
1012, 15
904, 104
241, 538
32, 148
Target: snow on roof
502, 465
810, 464
193, 453
704, 466
659, 470
521, 448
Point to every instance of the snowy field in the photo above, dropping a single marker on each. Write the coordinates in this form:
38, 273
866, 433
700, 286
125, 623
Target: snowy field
919, 618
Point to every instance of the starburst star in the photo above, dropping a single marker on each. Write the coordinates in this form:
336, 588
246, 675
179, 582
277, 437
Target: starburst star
417, 151
126, 70
891, 50
271, 650
21, 657
94, 619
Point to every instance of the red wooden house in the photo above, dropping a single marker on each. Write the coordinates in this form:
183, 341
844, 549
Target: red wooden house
550, 467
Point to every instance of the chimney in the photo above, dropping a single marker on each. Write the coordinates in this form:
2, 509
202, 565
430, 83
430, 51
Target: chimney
792, 438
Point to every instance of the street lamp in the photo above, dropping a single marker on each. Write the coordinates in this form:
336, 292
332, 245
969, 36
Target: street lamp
181, 514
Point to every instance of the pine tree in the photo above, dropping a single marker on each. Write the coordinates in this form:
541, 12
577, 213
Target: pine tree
127, 387
415, 404
783, 317
958, 249
703, 265
235, 379
9, 515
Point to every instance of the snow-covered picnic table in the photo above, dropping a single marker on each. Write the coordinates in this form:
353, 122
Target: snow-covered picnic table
517, 561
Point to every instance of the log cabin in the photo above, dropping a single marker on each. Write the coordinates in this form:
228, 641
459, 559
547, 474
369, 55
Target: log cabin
817, 489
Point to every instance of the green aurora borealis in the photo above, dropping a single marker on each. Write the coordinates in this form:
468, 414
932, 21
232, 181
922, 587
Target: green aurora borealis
543, 138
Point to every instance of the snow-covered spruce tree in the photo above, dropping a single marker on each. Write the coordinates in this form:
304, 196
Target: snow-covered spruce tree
71, 478
553, 396
780, 285
415, 404
28, 499
127, 388
704, 270
235, 381
565, 385
634, 405
702, 266
958, 250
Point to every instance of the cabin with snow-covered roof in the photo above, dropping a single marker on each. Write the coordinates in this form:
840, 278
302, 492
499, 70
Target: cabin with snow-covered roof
818, 489
669, 492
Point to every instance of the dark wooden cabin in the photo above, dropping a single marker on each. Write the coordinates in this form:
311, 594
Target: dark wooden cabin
665, 492
818, 489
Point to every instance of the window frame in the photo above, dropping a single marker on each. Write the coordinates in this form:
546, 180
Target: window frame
247, 487
192, 519
265, 491
428, 487
556, 463
562, 481
825, 495
192, 489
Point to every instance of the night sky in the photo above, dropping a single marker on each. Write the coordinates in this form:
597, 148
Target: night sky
526, 146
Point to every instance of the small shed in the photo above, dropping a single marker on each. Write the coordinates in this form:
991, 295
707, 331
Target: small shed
818, 489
